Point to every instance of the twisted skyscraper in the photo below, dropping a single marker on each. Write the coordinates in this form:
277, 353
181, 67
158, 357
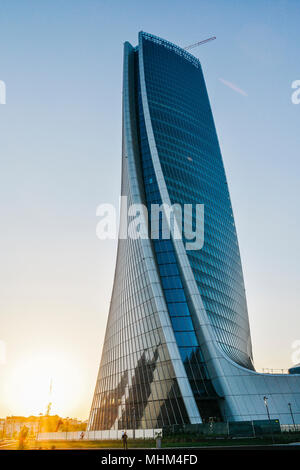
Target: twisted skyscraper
177, 347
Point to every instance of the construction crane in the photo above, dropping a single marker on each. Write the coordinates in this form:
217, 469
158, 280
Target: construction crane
196, 44
50, 402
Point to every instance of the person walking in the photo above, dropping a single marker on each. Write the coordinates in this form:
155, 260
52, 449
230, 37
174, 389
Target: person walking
22, 437
124, 438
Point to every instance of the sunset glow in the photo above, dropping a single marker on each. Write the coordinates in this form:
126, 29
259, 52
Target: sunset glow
27, 391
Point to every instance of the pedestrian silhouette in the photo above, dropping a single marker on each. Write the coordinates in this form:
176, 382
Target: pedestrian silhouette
124, 438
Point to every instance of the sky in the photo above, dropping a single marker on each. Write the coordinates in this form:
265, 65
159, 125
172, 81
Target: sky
60, 156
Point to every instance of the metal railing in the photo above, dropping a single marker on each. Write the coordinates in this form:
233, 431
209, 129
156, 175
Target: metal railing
274, 371
290, 427
230, 429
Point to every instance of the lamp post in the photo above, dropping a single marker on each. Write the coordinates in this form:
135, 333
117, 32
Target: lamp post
266, 403
39, 429
267, 407
67, 422
134, 422
291, 411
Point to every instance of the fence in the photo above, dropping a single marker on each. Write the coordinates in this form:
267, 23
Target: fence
230, 429
99, 435
274, 371
290, 428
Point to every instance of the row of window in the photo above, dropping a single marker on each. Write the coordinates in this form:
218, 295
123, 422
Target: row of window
183, 126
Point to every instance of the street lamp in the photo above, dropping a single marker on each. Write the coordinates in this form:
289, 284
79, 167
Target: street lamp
39, 428
290, 407
134, 422
266, 403
67, 422
267, 407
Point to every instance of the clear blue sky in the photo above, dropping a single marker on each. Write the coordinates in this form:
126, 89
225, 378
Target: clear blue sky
60, 150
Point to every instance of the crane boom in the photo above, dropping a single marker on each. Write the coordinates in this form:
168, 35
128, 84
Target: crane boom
196, 44
50, 402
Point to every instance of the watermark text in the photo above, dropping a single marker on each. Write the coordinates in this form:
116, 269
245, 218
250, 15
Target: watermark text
2, 92
160, 222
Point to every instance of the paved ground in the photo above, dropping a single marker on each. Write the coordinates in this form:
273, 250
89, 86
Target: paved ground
7, 444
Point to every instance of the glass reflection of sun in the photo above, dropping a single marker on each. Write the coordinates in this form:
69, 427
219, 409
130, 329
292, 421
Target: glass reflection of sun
28, 390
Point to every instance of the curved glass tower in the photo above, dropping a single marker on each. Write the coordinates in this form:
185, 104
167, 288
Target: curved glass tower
177, 347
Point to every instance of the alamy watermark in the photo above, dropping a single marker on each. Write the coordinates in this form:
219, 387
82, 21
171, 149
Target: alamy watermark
159, 223
296, 94
296, 353
2, 92
2, 352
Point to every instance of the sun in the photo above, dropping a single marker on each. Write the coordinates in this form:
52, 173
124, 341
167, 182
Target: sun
28, 389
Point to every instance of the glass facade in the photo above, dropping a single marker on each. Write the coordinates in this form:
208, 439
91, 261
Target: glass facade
153, 372
192, 165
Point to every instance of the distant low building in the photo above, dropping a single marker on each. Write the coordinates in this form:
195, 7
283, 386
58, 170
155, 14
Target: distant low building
12, 425
2, 423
